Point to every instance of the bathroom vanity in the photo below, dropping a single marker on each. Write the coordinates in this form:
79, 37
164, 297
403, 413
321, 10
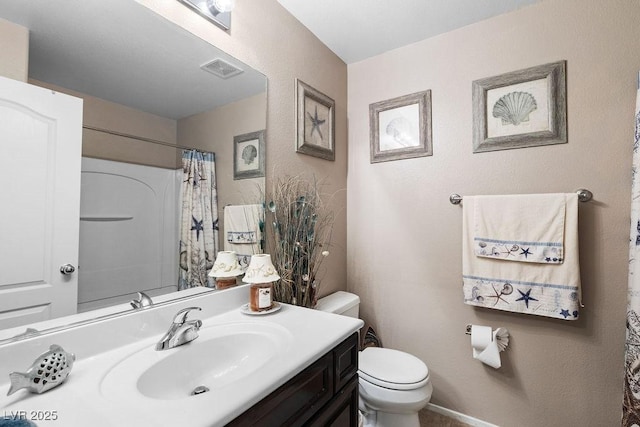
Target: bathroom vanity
325, 393
290, 367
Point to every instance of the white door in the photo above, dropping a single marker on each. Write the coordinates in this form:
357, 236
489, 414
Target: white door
40, 153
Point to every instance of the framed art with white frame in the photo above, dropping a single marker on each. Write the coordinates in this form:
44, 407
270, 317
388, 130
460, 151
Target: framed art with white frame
523, 108
400, 128
248, 155
315, 130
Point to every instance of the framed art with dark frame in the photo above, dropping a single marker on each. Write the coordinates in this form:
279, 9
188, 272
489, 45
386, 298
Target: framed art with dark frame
248, 155
400, 128
315, 130
523, 108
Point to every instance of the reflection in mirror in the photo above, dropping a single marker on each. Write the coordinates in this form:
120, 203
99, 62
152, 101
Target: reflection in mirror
151, 92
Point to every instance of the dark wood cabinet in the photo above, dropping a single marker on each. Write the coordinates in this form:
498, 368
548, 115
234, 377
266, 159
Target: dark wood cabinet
324, 394
342, 411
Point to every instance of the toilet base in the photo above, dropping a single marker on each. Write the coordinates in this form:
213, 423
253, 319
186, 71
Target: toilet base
384, 407
385, 419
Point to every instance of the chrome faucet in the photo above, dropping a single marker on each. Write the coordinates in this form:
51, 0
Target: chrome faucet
143, 301
181, 331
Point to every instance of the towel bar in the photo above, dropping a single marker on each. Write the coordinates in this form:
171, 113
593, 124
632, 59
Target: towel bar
583, 195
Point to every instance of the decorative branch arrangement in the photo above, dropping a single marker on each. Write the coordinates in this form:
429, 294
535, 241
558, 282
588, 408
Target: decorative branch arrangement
302, 226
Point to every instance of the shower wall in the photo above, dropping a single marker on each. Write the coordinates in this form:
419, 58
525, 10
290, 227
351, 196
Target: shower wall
128, 232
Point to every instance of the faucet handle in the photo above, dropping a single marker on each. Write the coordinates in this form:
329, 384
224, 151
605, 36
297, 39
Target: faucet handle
181, 316
143, 301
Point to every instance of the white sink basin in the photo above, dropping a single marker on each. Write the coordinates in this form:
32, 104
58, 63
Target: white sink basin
223, 356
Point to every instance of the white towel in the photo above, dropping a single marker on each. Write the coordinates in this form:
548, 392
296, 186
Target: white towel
525, 228
242, 231
551, 290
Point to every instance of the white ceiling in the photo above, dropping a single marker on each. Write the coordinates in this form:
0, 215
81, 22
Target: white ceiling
357, 29
121, 51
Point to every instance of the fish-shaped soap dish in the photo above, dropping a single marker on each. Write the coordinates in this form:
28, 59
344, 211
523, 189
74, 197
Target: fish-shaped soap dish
49, 370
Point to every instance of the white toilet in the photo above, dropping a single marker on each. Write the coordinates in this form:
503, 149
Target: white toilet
394, 385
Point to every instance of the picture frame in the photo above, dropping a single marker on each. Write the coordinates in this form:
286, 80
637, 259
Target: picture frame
524, 108
400, 128
249, 155
315, 118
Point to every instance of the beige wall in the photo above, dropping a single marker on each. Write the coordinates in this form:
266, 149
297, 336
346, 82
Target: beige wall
214, 131
555, 373
269, 39
14, 51
114, 117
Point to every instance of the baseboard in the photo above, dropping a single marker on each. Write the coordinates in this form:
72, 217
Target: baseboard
458, 416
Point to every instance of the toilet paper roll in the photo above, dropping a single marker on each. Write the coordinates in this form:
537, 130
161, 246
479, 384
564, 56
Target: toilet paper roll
481, 337
485, 346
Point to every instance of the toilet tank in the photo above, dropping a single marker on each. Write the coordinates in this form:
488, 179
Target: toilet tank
344, 303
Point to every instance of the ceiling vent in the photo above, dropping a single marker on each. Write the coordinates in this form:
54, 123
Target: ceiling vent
221, 68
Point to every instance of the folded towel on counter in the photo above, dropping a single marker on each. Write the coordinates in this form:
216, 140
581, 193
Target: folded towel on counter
242, 227
545, 289
525, 228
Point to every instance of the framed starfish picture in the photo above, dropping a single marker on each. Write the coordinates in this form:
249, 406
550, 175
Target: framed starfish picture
315, 122
400, 128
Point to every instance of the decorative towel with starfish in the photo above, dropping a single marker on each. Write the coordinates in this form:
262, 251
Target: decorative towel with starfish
540, 287
243, 226
521, 228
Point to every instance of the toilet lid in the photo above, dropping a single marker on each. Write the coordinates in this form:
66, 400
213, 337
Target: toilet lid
392, 368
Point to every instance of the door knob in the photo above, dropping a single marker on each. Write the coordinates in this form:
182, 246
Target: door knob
67, 269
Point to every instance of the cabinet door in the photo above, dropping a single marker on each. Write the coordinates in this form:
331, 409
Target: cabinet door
345, 362
296, 401
324, 394
343, 409
40, 151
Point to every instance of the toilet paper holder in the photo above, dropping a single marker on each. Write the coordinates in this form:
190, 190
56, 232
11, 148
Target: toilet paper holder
502, 336
487, 344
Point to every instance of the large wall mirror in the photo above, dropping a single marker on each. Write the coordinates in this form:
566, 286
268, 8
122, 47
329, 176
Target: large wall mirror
151, 91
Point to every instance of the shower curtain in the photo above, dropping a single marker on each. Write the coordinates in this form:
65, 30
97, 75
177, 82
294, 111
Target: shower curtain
631, 403
199, 219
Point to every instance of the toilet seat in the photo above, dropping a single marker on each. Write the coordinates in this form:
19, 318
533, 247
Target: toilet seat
392, 369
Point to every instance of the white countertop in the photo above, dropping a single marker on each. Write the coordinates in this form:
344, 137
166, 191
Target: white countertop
81, 400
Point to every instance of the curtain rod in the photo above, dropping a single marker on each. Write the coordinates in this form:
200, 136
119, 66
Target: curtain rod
139, 138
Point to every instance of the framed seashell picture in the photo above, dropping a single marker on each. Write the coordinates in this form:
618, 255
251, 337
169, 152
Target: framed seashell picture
523, 108
248, 155
400, 128
315, 122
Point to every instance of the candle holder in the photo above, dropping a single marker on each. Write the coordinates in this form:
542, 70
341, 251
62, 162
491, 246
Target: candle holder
226, 269
261, 274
